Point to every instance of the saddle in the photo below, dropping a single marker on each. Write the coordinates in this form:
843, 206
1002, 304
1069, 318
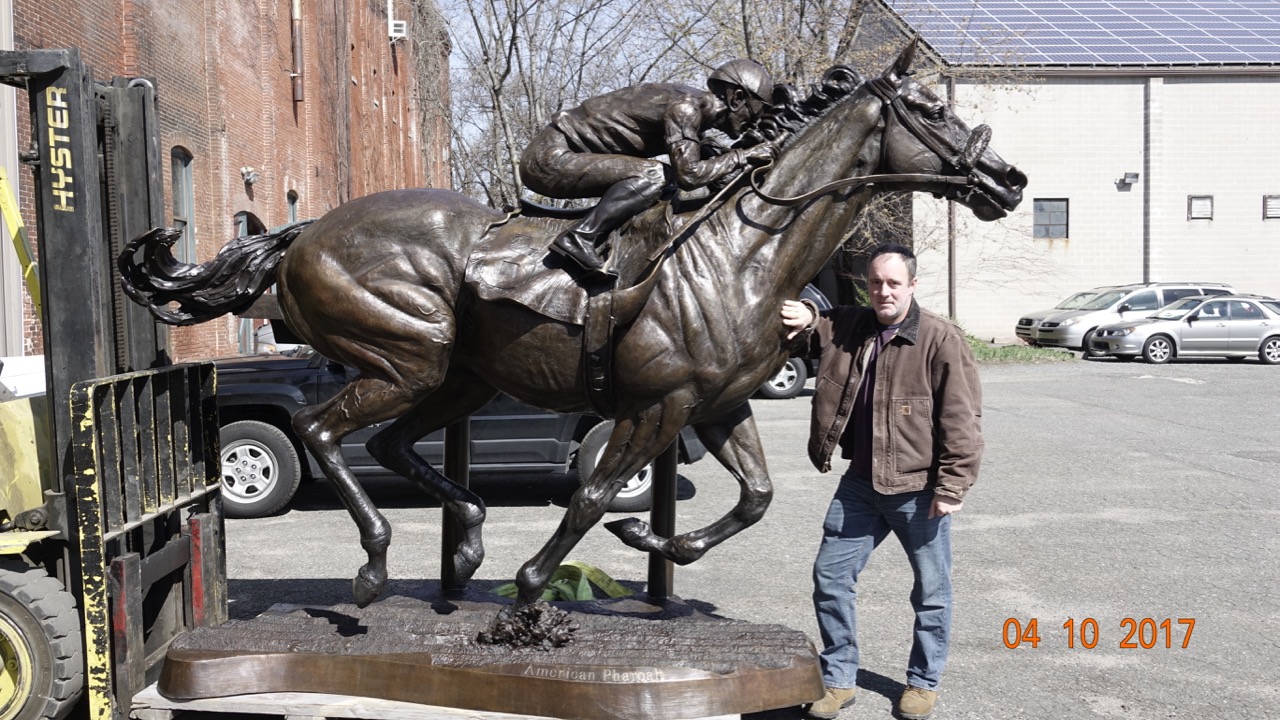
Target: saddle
511, 262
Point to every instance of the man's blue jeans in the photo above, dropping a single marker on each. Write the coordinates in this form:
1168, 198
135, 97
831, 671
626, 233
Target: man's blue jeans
858, 519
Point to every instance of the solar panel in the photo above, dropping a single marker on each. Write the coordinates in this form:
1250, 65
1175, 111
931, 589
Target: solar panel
1114, 32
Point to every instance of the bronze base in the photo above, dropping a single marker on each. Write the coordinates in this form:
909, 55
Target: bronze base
630, 660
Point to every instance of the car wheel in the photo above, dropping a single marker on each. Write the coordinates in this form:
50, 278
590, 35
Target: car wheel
1087, 347
260, 469
1269, 351
1158, 350
41, 655
636, 494
788, 382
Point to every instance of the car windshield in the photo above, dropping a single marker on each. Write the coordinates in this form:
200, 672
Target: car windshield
1076, 301
1103, 301
1178, 309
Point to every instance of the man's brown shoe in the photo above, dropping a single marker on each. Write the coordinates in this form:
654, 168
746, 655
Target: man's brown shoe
831, 703
916, 703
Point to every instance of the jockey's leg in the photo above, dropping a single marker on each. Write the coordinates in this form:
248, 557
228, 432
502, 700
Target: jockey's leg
623, 200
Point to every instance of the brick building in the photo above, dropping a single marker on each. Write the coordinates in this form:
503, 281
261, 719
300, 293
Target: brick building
270, 111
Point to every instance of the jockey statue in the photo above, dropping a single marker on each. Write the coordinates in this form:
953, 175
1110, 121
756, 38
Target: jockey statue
604, 148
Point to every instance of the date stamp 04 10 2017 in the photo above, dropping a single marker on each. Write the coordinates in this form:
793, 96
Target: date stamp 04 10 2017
1139, 633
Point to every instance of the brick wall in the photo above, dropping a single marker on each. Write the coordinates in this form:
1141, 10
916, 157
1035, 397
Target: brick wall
223, 69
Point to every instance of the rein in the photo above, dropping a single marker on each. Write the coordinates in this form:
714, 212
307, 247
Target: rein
854, 182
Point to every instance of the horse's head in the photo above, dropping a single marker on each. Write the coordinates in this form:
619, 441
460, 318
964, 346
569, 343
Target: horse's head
922, 135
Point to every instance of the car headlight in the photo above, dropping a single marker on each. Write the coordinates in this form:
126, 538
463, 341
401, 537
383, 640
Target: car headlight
1069, 321
1123, 331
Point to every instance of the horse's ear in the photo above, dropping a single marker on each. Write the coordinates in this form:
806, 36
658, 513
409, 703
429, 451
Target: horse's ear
902, 66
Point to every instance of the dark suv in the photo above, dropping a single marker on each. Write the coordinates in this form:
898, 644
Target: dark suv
263, 461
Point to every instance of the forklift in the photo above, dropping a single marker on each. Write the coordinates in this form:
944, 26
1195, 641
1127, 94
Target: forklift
111, 526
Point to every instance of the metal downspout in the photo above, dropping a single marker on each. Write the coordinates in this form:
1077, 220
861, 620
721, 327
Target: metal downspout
951, 225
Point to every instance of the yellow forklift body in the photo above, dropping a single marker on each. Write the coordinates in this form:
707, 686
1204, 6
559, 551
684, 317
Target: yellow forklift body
24, 461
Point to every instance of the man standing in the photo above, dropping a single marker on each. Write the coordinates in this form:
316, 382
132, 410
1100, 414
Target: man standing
898, 393
605, 148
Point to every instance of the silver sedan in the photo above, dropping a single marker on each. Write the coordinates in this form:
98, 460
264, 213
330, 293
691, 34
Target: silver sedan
1234, 327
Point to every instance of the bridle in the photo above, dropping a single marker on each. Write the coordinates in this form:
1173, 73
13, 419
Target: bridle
892, 106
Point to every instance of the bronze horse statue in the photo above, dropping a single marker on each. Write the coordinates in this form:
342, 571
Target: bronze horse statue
378, 284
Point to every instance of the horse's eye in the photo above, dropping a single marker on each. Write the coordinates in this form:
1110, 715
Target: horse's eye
936, 115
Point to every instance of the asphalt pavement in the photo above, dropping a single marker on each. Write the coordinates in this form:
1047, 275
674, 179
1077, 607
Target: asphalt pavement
1122, 538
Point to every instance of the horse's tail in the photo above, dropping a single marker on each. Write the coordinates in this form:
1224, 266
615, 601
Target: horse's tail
229, 283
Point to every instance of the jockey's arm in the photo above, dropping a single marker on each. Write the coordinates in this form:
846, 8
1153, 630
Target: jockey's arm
683, 122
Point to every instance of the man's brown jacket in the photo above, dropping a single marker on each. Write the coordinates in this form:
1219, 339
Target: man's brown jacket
927, 404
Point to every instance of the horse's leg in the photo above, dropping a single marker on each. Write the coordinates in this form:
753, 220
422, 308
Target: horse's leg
735, 442
461, 394
360, 404
633, 444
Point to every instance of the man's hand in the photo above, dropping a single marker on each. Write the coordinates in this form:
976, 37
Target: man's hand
943, 505
795, 315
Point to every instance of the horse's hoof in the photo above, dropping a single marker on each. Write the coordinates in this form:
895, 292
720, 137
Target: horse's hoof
466, 561
634, 533
366, 587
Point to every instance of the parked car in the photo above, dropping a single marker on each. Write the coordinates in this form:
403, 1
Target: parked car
1074, 329
790, 379
1025, 329
264, 341
1232, 326
263, 461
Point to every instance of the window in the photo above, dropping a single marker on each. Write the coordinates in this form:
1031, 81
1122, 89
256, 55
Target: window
1216, 310
1051, 218
1241, 310
184, 203
1171, 295
1199, 207
292, 199
1145, 300
248, 224
1271, 207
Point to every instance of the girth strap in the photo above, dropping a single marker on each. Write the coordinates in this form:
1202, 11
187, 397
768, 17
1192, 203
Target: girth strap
597, 352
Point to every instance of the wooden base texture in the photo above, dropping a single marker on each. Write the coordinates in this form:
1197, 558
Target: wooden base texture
629, 660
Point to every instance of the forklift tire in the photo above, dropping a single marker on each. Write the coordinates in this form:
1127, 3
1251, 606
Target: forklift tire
40, 647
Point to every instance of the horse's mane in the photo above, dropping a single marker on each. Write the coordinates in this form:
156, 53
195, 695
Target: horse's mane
790, 115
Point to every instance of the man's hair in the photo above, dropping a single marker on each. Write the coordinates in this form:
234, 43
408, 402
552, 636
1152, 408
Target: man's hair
902, 251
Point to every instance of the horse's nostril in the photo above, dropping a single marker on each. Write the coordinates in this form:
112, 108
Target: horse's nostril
1015, 178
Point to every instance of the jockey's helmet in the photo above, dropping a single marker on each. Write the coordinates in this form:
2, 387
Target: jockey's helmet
746, 74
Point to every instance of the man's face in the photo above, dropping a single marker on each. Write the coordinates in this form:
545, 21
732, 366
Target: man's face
891, 288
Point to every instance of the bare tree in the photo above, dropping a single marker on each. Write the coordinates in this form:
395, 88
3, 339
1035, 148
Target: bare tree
518, 62
515, 63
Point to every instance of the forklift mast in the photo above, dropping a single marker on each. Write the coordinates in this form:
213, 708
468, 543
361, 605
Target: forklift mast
132, 498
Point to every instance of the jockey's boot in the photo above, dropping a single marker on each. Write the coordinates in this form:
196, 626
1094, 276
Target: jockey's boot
619, 203
580, 247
